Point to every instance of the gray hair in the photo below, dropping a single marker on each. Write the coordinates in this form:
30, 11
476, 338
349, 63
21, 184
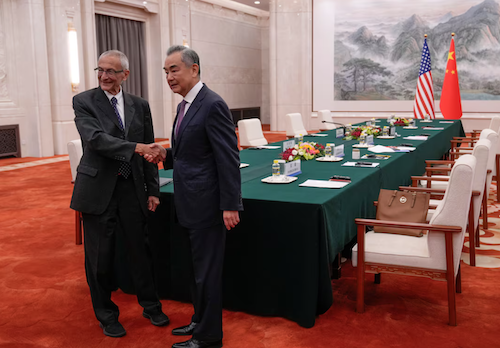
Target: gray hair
188, 55
115, 53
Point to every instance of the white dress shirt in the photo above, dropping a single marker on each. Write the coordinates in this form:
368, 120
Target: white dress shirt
191, 96
120, 104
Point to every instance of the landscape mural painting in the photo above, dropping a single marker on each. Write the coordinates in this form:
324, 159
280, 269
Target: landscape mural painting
378, 47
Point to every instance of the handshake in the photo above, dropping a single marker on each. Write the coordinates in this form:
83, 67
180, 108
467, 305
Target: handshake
153, 153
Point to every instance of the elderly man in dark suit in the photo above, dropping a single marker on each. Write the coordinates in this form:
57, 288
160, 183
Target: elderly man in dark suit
207, 185
114, 189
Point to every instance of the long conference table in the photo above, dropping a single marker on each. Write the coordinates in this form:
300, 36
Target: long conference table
277, 259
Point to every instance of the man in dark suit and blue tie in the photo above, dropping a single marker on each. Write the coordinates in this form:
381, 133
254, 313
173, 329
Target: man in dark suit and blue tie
114, 189
207, 188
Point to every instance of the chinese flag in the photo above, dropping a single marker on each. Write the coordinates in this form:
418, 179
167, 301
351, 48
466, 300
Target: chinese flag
451, 103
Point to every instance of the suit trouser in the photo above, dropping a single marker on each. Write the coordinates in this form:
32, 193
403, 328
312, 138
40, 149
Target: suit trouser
207, 248
124, 211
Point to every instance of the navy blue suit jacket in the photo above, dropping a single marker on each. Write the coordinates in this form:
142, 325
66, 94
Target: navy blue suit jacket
205, 159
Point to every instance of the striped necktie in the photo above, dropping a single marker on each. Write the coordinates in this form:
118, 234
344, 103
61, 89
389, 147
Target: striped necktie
125, 168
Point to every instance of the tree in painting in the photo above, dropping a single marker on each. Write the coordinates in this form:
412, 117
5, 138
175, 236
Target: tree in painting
377, 49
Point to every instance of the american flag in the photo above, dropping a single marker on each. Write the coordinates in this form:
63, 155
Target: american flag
424, 96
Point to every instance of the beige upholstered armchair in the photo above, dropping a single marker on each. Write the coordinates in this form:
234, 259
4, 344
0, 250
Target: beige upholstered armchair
75, 152
435, 255
294, 125
250, 132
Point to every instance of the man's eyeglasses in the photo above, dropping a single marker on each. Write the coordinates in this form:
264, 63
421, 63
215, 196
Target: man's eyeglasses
109, 72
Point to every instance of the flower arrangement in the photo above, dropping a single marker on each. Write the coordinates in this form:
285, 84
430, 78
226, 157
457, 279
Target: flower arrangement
363, 130
400, 121
303, 151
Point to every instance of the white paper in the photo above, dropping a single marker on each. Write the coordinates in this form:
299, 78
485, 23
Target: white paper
445, 121
268, 147
406, 148
317, 135
353, 164
244, 165
385, 149
323, 183
380, 149
433, 128
416, 137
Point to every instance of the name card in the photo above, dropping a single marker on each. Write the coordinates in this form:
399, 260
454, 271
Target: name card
292, 168
369, 140
392, 131
339, 151
288, 144
339, 132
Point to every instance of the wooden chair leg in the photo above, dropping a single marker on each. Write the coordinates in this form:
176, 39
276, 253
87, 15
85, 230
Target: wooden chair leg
377, 278
478, 241
497, 167
458, 283
78, 227
450, 280
472, 235
360, 299
485, 208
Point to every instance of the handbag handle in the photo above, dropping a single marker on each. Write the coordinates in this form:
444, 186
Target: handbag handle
394, 193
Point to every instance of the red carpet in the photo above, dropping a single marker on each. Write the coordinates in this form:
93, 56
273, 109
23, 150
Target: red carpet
45, 301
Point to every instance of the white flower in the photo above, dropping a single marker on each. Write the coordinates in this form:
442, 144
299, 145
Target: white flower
294, 152
301, 152
296, 146
290, 158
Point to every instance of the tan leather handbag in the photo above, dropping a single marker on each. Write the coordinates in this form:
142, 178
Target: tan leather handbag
402, 206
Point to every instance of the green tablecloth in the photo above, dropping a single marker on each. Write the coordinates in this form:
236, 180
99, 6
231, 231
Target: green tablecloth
277, 259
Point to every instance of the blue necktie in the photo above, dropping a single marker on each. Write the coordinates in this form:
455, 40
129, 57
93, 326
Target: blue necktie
125, 168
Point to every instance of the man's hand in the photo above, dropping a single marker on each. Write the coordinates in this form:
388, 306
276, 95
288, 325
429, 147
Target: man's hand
153, 202
231, 218
153, 153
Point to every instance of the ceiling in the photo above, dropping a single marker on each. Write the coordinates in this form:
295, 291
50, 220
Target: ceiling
264, 4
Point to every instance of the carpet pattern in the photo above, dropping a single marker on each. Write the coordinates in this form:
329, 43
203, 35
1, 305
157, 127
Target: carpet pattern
488, 254
45, 301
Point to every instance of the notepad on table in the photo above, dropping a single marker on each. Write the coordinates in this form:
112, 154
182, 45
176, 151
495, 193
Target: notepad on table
416, 137
165, 181
266, 147
323, 184
356, 164
433, 128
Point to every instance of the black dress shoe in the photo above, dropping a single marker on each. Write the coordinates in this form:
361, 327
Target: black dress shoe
113, 330
158, 319
194, 343
185, 330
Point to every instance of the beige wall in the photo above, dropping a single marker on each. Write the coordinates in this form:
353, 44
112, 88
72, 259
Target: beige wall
230, 48
35, 89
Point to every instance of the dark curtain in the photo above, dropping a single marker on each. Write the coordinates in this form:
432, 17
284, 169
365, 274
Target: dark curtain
127, 36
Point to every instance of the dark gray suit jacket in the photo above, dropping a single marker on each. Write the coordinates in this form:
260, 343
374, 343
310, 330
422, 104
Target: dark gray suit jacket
206, 163
105, 145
